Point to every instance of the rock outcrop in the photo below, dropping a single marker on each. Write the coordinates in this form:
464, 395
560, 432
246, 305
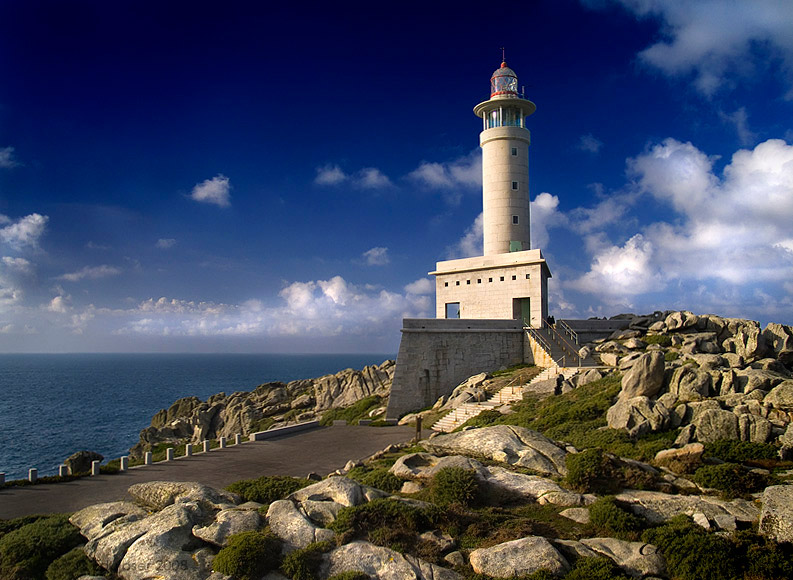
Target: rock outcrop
270, 404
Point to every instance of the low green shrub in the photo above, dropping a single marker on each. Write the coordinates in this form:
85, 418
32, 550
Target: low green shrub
510, 370
732, 479
598, 568
267, 489
455, 485
27, 551
590, 472
71, 565
662, 339
610, 519
381, 478
350, 575
249, 555
740, 451
671, 355
351, 414
304, 563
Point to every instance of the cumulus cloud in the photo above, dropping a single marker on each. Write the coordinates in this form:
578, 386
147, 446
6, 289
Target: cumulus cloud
472, 242
165, 243
421, 286
13, 271
90, 273
24, 232
544, 214
215, 191
366, 178
589, 143
713, 40
732, 230
740, 120
453, 177
376, 256
316, 308
7, 160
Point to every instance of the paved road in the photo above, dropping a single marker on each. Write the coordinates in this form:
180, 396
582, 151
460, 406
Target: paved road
320, 450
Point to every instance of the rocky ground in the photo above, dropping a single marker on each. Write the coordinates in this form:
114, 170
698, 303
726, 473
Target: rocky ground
191, 420
671, 462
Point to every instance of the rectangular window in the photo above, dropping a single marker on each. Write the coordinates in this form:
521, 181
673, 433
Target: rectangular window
514, 277
457, 283
452, 310
446, 284
514, 186
527, 276
467, 281
515, 220
490, 279
514, 151
478, 280
502, 278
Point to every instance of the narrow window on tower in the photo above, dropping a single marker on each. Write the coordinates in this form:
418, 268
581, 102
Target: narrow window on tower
514, 220
514, 151
514, 186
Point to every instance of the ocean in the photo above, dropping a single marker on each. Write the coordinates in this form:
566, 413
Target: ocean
52, 405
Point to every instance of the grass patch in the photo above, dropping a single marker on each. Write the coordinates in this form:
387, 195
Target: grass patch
732, 479
661, 339
455, 485
378, 477
609, 518
249, 555
351, 414
267, 489
740, 451
304, 563
510, 370
27, 550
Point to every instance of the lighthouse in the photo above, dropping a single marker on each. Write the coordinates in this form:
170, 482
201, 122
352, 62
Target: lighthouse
505, 144
510, 279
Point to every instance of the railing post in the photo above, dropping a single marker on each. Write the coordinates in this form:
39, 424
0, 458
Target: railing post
148, 458
237, 439
123, 463
169, 454
2, 478
222, 442
63, 471
33, 474
207, 446
95, 467
188, 449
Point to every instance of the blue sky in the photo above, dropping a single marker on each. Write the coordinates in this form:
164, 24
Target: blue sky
189, 176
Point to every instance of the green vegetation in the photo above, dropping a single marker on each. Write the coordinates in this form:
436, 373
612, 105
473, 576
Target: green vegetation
596, 569
662, 339
455, 485
249, 555
593, 471
267, 489
740, 451
742, 556
28, 548
351, 575
671, 355
261, 424
304, 563
510, 370
730, 478
72, 565
351, 414
610, 519
378, 477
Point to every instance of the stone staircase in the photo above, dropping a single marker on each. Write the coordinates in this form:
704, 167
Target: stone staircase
508, 394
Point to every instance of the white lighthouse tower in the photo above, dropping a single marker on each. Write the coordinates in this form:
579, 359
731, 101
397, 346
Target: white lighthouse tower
510, 281
505, 144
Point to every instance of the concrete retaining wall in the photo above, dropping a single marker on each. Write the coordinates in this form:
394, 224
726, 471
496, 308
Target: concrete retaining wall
436, 355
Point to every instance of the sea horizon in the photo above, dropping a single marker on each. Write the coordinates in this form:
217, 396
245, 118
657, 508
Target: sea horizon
113, 396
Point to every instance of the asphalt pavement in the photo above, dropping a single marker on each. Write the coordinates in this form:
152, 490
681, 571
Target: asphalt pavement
321, 450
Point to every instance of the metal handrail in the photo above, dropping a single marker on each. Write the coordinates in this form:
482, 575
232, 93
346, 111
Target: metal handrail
566, 328
536, 336
563, 344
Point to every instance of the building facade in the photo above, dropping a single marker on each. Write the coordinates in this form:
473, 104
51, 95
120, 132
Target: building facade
510, 281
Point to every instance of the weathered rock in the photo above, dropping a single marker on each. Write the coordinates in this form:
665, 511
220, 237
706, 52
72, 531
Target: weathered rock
506, 443
381, 563
781, 396
714, 424
442, 541
638, 415
518, 557
636, 558
645, 378
226, 523
80, 462
159, 494
160, 551
753, 428
776, 519
539, 489
290, 524
424, 466
93, 519
690, 384
609, 359
586, 377
751, 379
779, 341
680, 320
577, 514
681, 460
341, 490
658, 507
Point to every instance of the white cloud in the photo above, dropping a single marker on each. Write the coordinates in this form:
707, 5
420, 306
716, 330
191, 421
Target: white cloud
366, 178
90, 273
317, 308
714, 40
544, 214
463, 173
330, 175
165, 243
471, 244
215, 191
589, 143
24, 232
18, 264
740, 120
377, 256
421, 286
59, 304
731, 231
7, 160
